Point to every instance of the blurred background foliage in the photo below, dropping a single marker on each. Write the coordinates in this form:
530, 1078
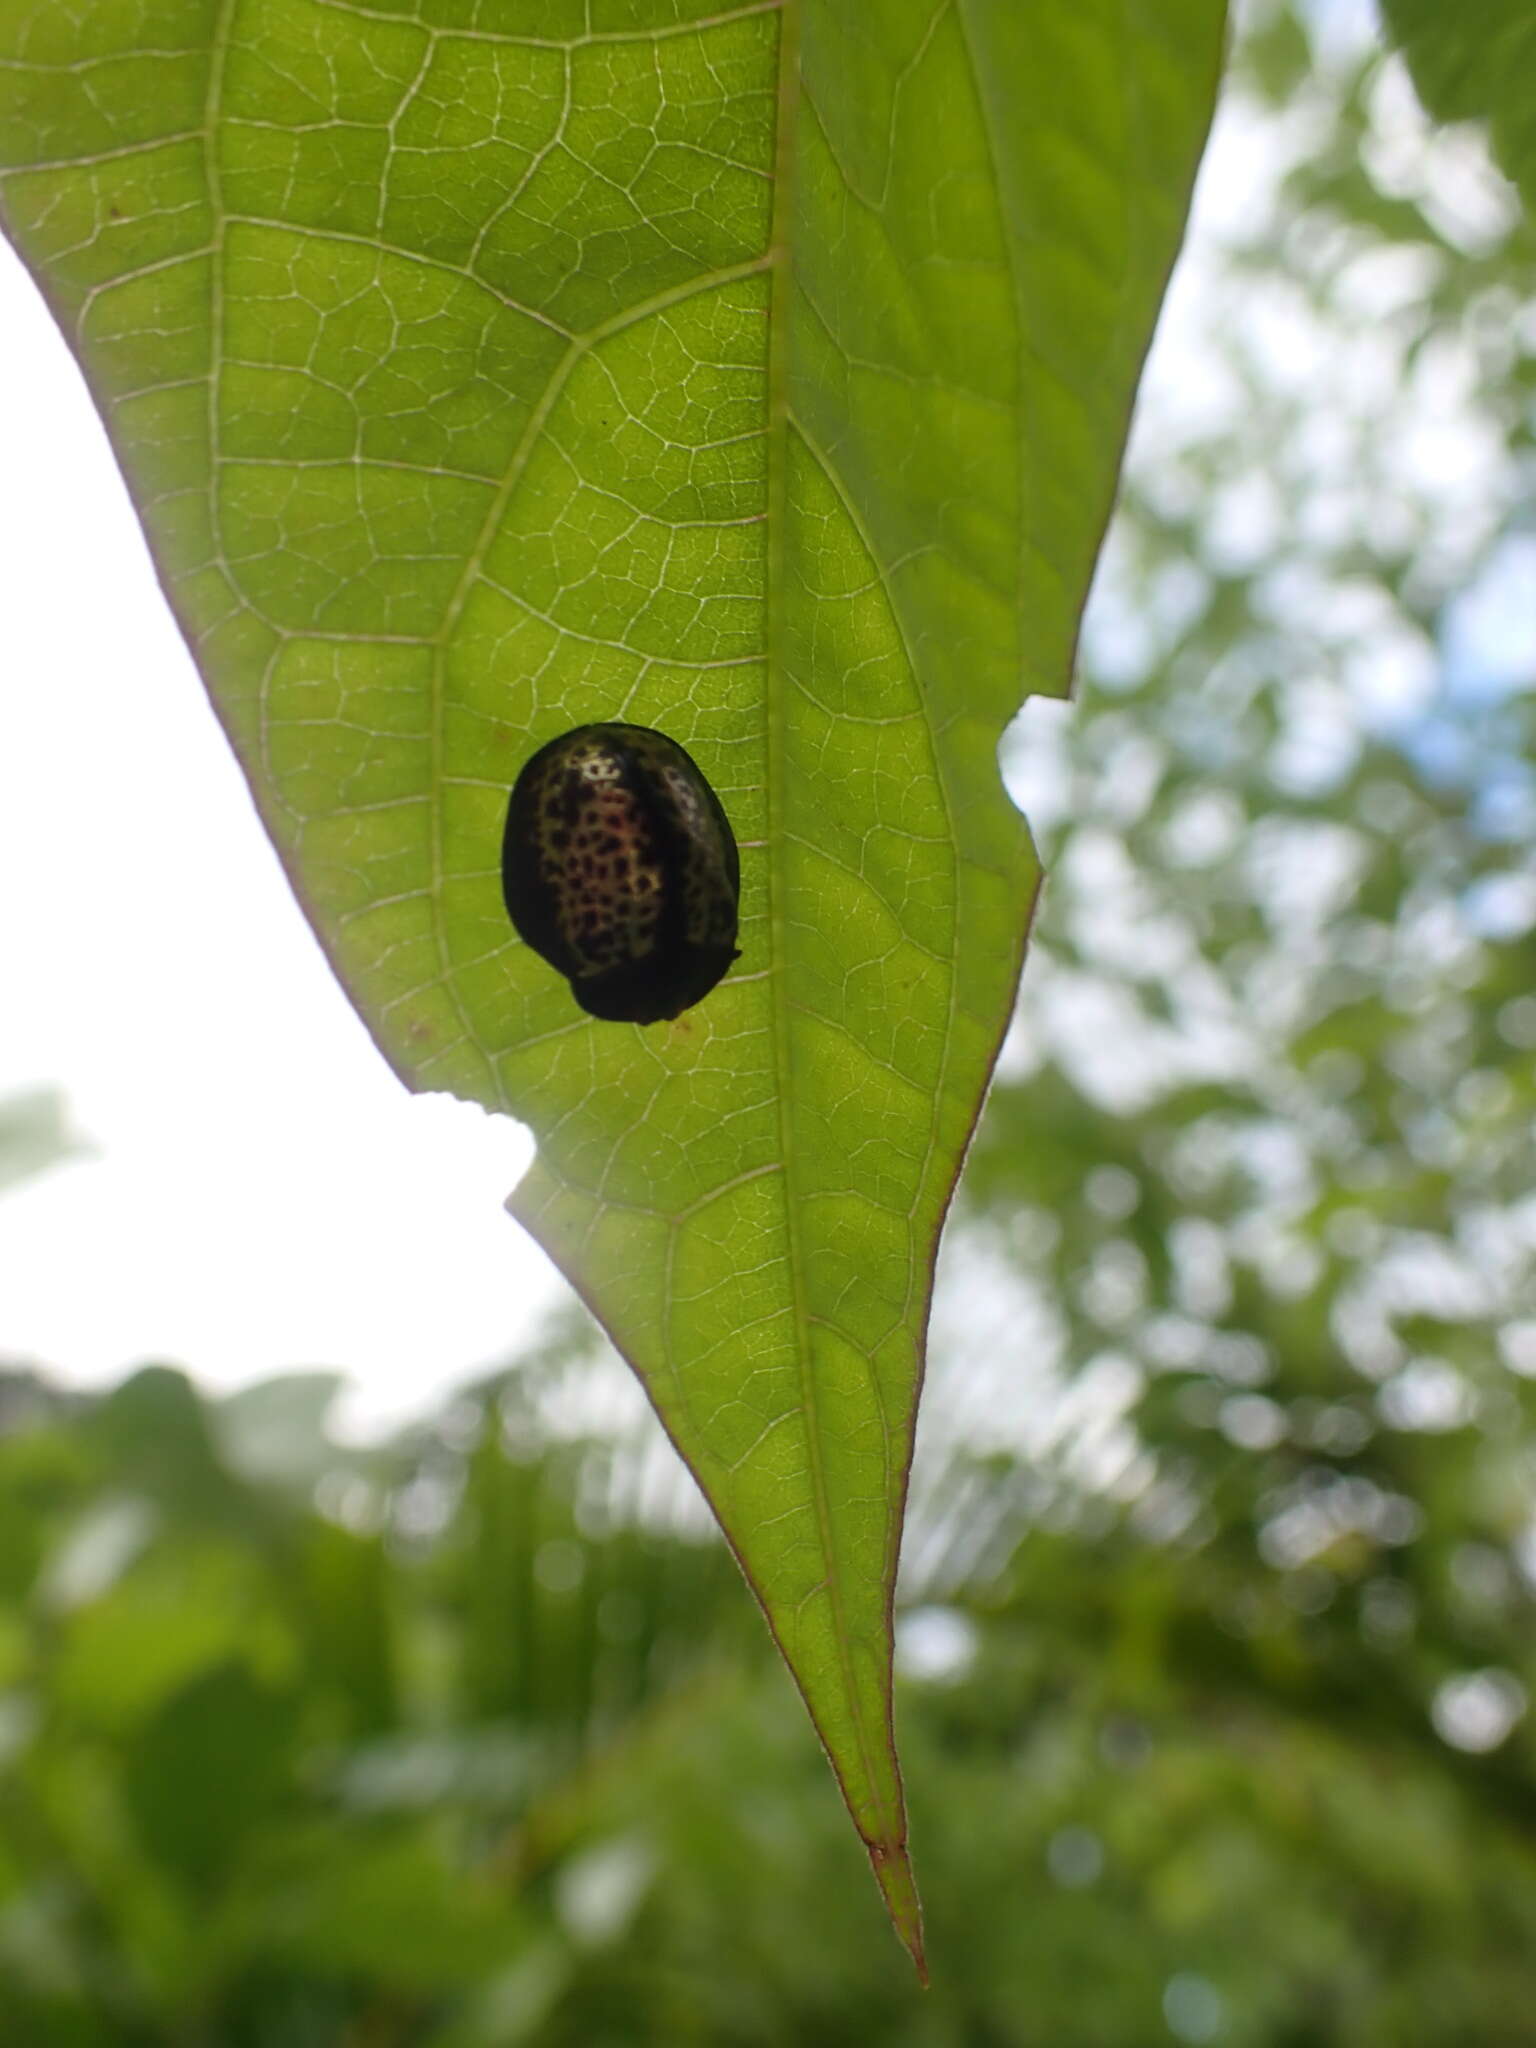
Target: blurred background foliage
1216, 1648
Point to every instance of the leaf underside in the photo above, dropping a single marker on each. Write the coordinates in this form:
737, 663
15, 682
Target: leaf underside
1476, 67
485, 367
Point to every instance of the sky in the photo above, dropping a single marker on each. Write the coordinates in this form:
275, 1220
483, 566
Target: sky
255, 1192
259, 1193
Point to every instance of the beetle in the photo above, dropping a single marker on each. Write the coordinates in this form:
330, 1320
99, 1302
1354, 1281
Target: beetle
619, 867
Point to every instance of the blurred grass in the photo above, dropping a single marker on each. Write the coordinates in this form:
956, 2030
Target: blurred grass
447, 1747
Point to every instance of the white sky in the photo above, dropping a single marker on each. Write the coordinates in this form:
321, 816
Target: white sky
263, 1193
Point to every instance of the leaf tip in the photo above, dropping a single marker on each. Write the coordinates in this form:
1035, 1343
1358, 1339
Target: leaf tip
898, 1887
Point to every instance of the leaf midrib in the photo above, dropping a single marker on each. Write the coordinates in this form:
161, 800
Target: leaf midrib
787, 104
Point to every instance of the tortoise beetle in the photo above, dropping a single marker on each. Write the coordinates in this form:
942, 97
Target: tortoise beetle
619, 867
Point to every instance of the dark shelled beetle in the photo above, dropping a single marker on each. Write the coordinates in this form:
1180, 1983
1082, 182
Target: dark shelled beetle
619, 866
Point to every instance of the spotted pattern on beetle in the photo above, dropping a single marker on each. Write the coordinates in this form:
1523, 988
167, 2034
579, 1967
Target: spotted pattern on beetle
620, 868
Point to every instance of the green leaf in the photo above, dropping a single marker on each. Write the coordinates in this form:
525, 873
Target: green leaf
760, 374
1475, 64
207, 1769
394, 1908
